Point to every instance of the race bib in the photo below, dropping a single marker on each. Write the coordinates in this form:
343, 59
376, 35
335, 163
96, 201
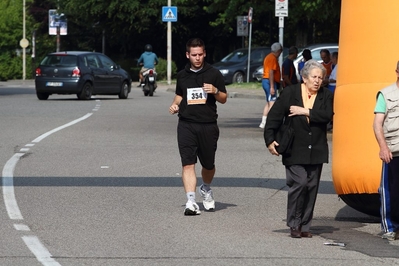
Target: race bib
196, 96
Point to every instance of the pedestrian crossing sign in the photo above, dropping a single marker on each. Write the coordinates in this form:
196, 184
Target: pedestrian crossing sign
169, 13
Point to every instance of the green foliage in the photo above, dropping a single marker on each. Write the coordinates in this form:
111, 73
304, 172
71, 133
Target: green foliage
11, 67
11, 32
125, 26
162, 68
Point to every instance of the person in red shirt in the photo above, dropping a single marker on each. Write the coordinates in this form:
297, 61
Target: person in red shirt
271, 79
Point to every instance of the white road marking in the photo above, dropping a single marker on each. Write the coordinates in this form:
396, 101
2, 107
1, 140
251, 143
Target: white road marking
38, 139
41, 252
8, 188
21, 227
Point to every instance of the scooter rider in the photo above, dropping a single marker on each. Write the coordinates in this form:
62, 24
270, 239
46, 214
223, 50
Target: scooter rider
147, 60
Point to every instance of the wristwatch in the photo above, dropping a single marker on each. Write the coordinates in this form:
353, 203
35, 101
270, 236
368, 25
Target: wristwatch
217, 91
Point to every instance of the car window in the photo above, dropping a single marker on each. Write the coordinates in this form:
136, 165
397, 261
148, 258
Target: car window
92, 61
60, 60
316, 55
258, 56
107, 63
236, 56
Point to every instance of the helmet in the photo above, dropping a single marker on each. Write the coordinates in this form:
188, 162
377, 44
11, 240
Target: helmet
148, 48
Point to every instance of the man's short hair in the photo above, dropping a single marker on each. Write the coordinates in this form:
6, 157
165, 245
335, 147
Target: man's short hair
194, 42
293, 50
325, 51
276, 46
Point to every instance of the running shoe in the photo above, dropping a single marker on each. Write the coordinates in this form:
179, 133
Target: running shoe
390, 236
208, 201
192, 208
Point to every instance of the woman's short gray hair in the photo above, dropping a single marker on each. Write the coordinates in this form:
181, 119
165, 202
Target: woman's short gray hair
312, 64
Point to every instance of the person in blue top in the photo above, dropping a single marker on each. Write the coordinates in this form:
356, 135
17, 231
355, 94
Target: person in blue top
147, 60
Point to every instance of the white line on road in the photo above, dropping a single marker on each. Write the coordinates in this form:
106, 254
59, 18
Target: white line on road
33, 243
8, 187
38, 139
41, 252
21, 227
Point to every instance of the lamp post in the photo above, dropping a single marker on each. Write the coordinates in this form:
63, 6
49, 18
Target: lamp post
23, 43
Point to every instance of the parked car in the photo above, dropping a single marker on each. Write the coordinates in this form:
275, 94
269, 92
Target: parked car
315, 50
258, 73
81, 73
234, 66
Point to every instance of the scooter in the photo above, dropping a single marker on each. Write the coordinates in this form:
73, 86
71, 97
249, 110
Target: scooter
149, 84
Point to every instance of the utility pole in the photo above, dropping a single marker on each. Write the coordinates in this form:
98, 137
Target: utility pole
23, 42
169, 49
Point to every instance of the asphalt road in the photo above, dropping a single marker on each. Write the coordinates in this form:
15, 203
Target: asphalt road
98, 183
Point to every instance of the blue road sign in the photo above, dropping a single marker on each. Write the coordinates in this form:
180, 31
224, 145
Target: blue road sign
169, 13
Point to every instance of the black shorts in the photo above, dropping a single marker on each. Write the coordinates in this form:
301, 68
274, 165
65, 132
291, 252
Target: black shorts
197, 140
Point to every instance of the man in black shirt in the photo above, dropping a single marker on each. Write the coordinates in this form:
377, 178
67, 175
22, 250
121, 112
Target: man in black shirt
199, 86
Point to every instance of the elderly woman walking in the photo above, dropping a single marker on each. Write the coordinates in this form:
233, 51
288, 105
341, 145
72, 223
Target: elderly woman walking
309, 107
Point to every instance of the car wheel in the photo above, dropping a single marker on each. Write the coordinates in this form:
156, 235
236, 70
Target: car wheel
124, 91
238, 77
85, 94
42, 95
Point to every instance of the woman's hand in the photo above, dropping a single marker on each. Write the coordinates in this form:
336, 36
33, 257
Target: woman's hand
298, 110
272, 148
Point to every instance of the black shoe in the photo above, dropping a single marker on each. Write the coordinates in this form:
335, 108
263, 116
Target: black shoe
296, 232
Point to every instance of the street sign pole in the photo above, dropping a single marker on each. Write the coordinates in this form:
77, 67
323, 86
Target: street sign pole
169, 49
250, 13
281, 37
281, 12
169, 15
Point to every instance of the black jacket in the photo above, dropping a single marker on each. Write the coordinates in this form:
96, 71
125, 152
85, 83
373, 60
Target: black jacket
310, 140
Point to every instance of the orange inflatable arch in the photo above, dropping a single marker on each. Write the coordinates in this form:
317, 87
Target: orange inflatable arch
368, 53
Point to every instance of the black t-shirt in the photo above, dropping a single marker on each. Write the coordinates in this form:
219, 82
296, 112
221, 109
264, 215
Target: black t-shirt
289, 70
195, 105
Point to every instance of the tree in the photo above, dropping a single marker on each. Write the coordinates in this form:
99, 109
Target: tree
127, 25
11, 27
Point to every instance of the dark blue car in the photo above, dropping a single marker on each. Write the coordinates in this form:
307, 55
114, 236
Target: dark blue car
234, 66
81, 73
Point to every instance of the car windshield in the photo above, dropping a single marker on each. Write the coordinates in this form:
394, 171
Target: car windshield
60, 60
236, 56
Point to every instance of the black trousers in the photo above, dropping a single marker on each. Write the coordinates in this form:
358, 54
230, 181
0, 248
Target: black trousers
303, 182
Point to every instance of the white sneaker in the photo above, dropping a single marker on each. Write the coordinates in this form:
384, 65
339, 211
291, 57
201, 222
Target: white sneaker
262, 125
390, 236
208, 201
192, 208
